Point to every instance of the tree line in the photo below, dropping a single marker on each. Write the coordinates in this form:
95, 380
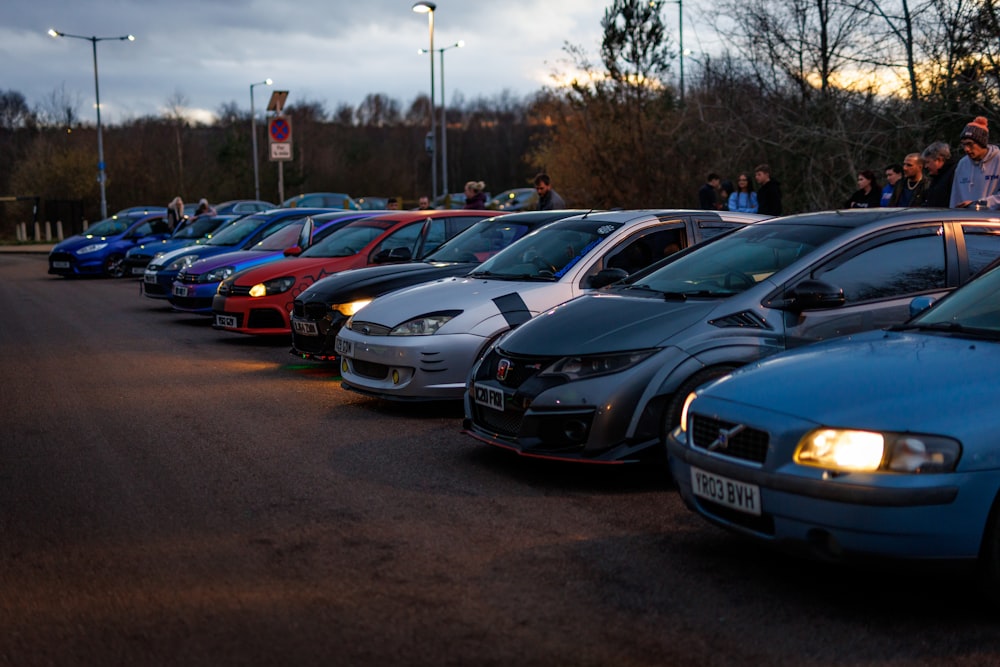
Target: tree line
818, 89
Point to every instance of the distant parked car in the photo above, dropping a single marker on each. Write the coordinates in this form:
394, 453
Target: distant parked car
196, 232
419, 343
562, 386
101, 249
135, 210
373, 203
454, 200
243, 206
518, 199
882, 444
320, 311
323, 200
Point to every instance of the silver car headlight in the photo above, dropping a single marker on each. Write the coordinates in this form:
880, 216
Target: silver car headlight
276, 286
93, 247
218, 274
579, 368
348, 309
181, 263
425, 325
868, 451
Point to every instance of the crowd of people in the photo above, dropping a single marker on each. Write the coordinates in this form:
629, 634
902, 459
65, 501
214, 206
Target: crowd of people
929, 178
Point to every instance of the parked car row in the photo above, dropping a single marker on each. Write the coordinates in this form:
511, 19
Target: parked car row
775, 364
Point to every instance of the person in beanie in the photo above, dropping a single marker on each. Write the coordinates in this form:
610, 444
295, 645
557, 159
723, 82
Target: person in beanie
977, 175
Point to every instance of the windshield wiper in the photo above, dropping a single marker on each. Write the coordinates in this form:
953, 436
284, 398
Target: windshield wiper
947, 327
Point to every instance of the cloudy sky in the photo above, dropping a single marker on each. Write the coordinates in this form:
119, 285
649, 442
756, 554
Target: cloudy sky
208, 52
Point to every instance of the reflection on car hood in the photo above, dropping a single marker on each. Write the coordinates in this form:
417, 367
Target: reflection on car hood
879, 380
238, 258
599, 323
374, 280
79, 241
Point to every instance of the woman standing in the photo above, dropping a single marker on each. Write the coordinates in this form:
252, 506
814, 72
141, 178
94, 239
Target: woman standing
475, 198
175, 214
868, 194
743, 198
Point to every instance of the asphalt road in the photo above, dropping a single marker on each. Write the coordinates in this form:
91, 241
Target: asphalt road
174, 495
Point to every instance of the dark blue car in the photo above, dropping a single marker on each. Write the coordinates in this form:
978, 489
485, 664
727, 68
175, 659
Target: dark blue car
101, 249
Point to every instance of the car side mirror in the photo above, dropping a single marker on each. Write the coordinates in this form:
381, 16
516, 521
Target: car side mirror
920, 303
607, 277
400, 254
813, 294
294, 251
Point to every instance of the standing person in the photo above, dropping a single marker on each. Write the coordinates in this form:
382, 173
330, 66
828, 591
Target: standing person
175, 213
769, 192
977, 175
743, 199
911, 190
548, 199
939, 166
868, 194
893, 173
424, 203
392, 204
708, 193
475, 197
204, 208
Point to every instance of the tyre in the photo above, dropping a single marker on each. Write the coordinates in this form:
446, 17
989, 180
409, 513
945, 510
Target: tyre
114, 266
672, 413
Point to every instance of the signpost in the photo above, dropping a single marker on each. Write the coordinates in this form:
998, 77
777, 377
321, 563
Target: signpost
279, 134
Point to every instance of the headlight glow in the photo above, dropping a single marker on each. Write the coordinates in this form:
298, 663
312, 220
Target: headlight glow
684, 410
93, 247
276, 286
850, 450
578, 368
425, 325
180, 263
216, 275
348, 309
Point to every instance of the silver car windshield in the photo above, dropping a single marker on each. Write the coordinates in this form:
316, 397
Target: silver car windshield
548, 253
479, 242
738, 261
975, 308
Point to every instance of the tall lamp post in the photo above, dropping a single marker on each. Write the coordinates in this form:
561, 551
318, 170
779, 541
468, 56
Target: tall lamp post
428, 8
444, 119
97, 99
253, 134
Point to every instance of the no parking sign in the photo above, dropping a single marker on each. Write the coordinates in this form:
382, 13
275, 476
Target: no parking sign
279, 133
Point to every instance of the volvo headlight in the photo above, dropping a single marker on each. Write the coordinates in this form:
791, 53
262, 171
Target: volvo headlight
684, 410
93, 247
425, 325
579, 368
216, 275
348, 309
868, 451
276, 286
181, 263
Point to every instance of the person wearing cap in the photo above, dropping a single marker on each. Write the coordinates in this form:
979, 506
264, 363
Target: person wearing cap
977, 175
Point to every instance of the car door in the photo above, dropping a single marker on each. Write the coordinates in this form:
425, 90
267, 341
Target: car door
879, 277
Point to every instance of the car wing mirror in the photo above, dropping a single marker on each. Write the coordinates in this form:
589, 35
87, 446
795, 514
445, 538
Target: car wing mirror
607, 277
813, 294
920, 304
294, 251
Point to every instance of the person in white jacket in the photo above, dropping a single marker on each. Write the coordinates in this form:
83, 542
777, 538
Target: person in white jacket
977, 175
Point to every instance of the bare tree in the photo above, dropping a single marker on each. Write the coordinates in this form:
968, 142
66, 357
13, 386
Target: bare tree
176, 114
59, 108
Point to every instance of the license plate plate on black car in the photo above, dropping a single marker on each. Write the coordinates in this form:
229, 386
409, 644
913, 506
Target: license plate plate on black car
489, 396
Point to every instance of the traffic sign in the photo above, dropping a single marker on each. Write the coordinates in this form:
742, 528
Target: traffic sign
281, 152
279, 129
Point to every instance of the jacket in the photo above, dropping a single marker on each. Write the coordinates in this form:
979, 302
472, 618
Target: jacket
975, 181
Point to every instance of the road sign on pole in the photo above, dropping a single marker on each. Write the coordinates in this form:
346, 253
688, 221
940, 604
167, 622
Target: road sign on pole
279, 134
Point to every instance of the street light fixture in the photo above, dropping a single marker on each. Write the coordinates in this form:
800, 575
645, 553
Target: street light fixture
253, 133
444, 120
97, 99
428, 8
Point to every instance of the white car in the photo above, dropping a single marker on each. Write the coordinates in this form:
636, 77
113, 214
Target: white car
419, 343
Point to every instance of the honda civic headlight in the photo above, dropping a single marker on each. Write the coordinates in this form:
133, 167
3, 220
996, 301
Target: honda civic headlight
216, 275
578, 368
425, 325
93, 247
276, 286
868, 451
348, 309
181, 263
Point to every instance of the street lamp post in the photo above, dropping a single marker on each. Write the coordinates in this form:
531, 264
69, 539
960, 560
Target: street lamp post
97, 99
253, 134
444, 118
428, 8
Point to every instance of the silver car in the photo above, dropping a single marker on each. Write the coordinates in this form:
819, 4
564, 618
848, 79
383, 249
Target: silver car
603, 378
419, 343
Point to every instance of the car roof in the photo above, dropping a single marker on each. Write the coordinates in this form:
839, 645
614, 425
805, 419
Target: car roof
854, 218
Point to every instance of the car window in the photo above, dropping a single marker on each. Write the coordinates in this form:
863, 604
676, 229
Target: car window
406, 237
480, 242
281, 238
982, 244
899, 266
641, 250
712, 228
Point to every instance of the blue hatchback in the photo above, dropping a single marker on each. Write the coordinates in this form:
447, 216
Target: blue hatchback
101, 249
882, 444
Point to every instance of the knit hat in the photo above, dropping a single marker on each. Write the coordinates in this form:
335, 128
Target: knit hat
977, 131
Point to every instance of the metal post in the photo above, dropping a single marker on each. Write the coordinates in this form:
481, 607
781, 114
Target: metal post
444, 130
253, 134
680, 32
428, 8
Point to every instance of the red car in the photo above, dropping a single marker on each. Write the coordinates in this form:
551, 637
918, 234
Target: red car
259, 300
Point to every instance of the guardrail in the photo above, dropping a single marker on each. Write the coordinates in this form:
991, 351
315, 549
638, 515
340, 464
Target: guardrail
43, 231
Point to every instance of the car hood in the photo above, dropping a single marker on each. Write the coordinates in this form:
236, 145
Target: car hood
479, 299
164, 246
80, 241
598, 323
240, 259
294, 266
374, 280
197, 251
903, 381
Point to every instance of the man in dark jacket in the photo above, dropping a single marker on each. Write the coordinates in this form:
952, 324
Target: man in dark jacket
708, 194
768, 191
912, 188
941, 169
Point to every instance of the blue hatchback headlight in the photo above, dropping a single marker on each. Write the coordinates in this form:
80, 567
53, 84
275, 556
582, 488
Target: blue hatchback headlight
93, 247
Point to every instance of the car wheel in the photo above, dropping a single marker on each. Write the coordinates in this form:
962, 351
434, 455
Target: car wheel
989, 555
114, 266
672, 415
